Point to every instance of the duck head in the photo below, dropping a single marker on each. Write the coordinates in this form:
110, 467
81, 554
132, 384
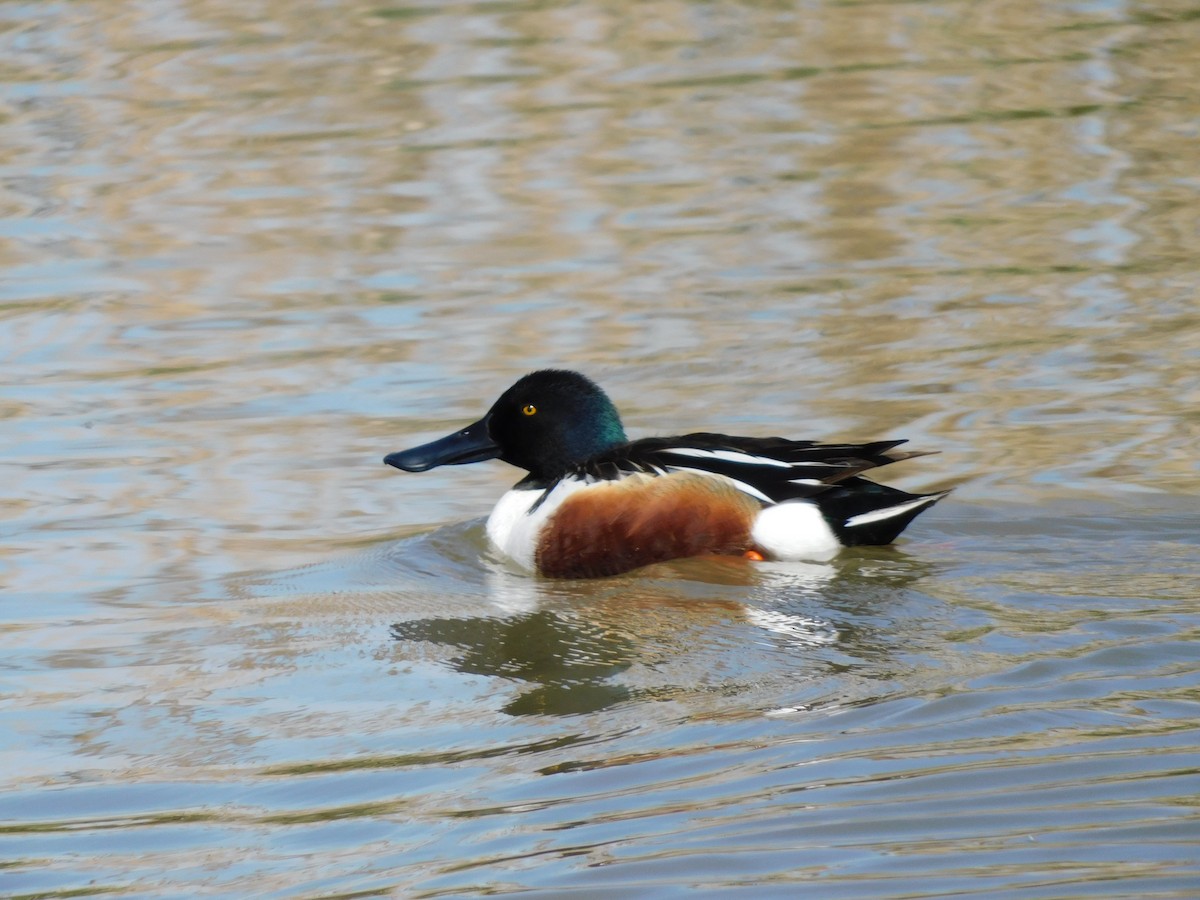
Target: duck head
548, 423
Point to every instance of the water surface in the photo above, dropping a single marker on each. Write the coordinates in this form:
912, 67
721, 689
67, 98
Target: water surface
246, 250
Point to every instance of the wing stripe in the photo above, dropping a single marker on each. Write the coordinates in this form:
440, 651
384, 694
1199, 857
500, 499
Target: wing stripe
878, 515
734, 456
740, 485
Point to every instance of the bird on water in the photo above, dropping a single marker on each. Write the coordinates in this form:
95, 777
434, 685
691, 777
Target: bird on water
595, 503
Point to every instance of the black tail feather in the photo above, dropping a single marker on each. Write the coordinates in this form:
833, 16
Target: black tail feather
861, 512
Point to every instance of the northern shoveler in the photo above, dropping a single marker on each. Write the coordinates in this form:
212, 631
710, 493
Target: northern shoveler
595, 503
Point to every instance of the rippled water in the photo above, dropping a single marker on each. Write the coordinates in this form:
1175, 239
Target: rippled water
247, 249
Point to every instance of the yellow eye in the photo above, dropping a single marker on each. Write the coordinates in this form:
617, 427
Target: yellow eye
529, 409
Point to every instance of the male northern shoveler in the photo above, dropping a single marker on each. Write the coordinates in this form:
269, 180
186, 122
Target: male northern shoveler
595, 503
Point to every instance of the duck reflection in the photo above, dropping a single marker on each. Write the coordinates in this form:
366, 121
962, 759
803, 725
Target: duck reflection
583, 646
570, 662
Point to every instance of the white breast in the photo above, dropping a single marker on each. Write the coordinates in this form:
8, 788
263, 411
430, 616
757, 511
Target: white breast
514, 530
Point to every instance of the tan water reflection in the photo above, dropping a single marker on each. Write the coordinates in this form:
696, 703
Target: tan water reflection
270, 231
246, 249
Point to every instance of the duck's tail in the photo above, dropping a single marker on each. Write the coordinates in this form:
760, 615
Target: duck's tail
862, 512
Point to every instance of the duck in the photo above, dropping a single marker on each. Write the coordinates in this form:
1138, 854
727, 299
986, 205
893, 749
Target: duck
595, 504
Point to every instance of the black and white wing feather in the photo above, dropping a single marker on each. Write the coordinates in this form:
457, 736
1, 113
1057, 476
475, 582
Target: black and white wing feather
772, 469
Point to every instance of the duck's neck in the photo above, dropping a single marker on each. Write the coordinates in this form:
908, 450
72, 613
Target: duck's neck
589, 437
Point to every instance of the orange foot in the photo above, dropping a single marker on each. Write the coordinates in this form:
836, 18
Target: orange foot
754, 555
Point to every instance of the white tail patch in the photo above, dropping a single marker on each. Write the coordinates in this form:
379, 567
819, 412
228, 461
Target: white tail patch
888, 512
795, 530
